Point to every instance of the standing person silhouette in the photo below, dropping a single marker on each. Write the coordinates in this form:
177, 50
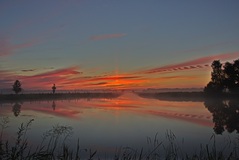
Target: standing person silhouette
53, 88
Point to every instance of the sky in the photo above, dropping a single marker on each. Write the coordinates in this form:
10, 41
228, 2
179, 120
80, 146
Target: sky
115, 44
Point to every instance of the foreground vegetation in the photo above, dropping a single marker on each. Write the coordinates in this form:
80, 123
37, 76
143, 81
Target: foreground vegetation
54, 146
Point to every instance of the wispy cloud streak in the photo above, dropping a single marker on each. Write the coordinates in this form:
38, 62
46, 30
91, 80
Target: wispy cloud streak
192, 64
59, 72
7, 48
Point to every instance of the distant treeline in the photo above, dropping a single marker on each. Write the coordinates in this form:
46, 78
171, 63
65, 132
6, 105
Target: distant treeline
56, 96
186, 96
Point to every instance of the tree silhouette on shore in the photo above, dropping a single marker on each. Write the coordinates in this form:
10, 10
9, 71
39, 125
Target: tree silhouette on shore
224, 78
53, 88
16, 87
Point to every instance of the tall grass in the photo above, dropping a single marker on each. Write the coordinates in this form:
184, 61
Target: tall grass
54, 146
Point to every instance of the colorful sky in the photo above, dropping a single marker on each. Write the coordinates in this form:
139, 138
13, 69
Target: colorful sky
101, 44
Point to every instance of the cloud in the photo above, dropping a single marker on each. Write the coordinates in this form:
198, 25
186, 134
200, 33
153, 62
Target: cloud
174, 77
107, 36
60, 72
39, 81
193, 64
7, 48
103, 81
48, 78
28, 70
113, 78
99, 84
73, 78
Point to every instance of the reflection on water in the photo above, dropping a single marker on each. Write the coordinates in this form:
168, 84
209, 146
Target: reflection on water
127, 120
16, 109
225, 114
53, 105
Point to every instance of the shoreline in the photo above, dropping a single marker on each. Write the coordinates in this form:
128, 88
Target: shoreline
197, 96
56, 96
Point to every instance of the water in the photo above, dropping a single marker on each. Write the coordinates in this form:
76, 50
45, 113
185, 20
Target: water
127, 121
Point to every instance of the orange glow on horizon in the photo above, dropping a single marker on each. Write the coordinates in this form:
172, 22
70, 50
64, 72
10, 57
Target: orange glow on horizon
179, 75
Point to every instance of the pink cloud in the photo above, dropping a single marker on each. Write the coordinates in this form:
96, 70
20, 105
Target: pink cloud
175, 77
98, 84
102, 81
113, 78
193, 64
107, 36
40, 81
7, 48
60, 72
71, 77
48, 78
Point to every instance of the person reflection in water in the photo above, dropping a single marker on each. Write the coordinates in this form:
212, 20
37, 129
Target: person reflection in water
53, 88
53, 105
225, 115
16, 109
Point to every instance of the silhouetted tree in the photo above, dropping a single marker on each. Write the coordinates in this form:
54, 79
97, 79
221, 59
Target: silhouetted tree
226, 78
53, 88
217, 75
236, 72
229, 76
16, 87
209, 88
216, 85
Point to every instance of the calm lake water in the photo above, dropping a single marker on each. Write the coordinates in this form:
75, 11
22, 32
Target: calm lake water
127, 121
